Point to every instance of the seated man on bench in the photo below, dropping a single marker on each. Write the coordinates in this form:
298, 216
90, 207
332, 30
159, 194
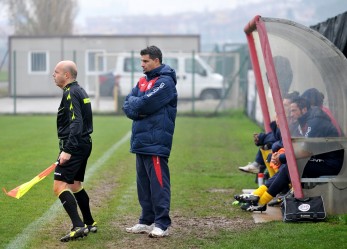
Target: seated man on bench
313, 122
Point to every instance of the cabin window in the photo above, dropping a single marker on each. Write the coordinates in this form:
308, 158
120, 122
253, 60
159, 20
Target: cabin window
38, 62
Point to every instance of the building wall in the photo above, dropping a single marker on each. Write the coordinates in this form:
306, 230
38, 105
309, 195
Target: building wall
25, 83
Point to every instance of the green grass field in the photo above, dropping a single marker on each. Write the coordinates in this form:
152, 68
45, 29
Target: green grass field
205, 156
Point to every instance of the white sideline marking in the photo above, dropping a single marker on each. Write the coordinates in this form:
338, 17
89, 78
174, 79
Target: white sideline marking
22, 239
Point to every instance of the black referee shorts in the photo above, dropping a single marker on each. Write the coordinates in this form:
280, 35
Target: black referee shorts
75, 168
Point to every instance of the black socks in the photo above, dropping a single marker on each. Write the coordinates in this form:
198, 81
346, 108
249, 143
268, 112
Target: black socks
82, 199
70, 205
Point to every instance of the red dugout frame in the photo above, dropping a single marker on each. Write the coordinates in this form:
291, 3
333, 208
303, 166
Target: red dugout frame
257, 24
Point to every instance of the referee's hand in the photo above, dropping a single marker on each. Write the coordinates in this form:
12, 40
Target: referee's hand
64, 157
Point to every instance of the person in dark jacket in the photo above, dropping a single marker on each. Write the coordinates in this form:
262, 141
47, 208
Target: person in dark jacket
152, 105
74, 126
313, 122
316, 98
266, 141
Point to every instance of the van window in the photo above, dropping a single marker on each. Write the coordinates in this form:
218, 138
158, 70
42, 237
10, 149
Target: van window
128, 65
199, 69
172, 62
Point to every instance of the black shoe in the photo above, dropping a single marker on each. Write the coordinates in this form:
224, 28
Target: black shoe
248, 198
92, 228
276, 201
77, 232
251, 208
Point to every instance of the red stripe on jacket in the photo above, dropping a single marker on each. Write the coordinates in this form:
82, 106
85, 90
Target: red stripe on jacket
145, 85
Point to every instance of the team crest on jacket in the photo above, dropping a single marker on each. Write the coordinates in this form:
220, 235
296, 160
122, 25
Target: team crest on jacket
145, 85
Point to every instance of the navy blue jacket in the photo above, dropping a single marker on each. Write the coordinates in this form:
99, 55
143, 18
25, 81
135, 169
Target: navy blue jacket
152, 105
268, 138
316, 123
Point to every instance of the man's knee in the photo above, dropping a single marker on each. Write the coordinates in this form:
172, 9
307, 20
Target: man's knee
59, 187
76, 186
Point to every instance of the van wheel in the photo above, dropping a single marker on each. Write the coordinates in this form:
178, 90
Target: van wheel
209, 94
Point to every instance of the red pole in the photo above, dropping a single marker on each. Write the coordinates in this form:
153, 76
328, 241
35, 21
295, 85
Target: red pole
257, 72
276, 94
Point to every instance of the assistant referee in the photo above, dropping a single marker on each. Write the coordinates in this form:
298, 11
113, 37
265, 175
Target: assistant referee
74, 126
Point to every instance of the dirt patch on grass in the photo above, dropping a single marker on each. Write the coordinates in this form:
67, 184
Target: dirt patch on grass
181, 229
106, 185
62, 224
185, 224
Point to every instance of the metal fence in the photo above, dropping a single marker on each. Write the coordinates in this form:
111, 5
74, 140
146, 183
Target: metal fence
206, 82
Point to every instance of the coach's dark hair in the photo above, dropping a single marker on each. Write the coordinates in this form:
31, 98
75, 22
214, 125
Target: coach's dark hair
153, 52
291, 95
315, 97
302, 103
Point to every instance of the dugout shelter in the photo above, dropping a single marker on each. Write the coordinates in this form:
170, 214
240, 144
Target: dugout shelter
287, 56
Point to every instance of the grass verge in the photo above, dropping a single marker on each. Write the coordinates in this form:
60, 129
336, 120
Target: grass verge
205, 156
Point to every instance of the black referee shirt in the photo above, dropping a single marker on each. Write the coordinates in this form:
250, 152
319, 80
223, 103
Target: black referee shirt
74, 118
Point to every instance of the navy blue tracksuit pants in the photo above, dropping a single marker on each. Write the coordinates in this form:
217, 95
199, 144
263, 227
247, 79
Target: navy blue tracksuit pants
313, 168
153, 189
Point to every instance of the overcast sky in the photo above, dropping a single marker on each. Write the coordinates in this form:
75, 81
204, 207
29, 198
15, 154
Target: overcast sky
116, 8
152, 7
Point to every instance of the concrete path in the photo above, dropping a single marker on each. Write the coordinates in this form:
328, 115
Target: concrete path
271, 213
10, 105
49, 105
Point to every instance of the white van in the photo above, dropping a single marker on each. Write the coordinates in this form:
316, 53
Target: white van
207, 85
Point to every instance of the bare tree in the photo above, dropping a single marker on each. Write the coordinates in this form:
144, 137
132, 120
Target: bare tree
42, 17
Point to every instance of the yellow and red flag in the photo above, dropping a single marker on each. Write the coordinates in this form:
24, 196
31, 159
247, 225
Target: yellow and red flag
19, 191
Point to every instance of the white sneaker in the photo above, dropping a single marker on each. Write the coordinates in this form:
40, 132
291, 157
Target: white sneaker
250, 168
158, 233
140, 228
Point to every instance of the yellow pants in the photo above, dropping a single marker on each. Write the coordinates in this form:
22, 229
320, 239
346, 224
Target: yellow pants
265, 154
